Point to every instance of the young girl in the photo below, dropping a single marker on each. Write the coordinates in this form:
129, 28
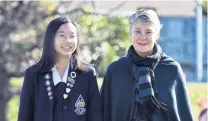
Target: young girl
145, 84
60, 87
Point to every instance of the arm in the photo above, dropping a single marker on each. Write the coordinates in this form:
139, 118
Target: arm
106, 97
94, 104
183, 101
26, 108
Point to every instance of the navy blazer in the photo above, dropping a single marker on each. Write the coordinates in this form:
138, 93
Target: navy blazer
35, 104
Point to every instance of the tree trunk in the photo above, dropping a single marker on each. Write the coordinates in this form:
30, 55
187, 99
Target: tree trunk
5, 95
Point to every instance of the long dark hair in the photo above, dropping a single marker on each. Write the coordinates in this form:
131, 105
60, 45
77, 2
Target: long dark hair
48, 59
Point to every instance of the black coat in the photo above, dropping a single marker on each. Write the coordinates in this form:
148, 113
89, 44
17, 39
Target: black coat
35, 104
117, 94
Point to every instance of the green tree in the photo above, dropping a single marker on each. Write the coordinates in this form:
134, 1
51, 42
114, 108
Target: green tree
21, 24
104, 37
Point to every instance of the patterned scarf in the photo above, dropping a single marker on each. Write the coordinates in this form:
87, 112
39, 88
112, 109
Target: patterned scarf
143, 70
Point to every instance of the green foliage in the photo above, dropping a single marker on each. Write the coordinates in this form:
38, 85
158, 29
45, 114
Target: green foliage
204, 7
16, 82
204, 3
105, 37
50, 5
13, 109
197, 91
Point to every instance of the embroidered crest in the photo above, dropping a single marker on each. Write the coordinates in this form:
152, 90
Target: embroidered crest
80, 106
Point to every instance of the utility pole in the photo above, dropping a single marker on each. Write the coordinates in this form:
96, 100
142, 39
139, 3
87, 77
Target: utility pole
199, 42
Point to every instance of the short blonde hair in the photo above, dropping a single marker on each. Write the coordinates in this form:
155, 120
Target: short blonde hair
145, 15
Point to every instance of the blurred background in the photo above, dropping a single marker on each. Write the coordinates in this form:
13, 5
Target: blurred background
104, 33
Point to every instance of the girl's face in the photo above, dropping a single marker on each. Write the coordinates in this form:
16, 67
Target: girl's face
143, 37
65, 41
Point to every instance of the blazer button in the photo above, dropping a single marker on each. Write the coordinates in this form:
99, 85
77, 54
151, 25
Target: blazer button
65, 107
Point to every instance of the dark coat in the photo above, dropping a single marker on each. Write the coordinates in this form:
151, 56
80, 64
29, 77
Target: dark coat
35, 104
117, 94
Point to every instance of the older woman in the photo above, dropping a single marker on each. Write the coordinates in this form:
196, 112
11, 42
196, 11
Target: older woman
145, 84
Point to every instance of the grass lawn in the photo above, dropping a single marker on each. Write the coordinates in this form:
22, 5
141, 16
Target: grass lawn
196, 91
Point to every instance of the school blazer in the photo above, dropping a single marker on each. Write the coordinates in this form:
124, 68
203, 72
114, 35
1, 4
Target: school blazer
35, 104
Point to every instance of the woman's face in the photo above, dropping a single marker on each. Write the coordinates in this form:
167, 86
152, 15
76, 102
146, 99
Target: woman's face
143, 36
65, 41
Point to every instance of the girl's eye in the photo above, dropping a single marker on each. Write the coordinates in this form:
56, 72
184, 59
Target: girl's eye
61, 35
138, 32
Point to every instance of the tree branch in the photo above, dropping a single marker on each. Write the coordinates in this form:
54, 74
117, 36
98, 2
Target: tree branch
17, 8
96, 13
116, 7
84, 12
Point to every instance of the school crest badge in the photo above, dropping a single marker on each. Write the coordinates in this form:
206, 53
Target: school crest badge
80, 106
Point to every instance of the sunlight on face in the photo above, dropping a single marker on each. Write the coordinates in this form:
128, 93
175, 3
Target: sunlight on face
65, 41
143, 37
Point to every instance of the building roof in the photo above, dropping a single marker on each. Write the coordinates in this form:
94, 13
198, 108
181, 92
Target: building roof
164, 7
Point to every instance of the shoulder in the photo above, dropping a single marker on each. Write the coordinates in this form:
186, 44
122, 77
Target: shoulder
32, 70
118, 64
90, 70
170, 65
30, 76
169, 61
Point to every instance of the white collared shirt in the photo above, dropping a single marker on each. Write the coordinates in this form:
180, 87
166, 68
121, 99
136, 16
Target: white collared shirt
56, 76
